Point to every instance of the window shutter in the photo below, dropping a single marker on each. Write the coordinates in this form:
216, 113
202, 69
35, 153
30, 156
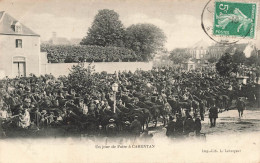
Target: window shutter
16, 42
19, 43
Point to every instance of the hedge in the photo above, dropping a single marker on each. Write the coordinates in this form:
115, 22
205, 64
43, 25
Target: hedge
83, 53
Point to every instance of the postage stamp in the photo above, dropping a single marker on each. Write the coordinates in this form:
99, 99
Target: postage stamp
235, 19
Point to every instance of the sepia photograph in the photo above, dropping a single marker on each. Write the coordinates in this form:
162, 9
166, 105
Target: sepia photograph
129, 81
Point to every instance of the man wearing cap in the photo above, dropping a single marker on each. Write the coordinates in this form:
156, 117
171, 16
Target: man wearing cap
136, 127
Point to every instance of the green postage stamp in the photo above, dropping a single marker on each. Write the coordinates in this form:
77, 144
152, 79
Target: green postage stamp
235, 19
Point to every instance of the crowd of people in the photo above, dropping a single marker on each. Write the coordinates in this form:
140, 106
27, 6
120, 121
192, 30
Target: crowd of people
179, 98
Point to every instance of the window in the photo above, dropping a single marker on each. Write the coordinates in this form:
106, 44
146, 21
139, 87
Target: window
18, 28
19, 43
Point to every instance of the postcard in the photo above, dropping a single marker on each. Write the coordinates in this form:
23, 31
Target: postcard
129, 81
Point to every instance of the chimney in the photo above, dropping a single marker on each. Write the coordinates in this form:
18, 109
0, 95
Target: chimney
54, 34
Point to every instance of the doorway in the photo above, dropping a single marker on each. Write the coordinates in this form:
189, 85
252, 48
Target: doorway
19, 69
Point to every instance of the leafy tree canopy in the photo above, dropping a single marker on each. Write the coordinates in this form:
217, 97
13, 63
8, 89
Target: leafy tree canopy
253, 60
106, 30
239, 57
144, 39
226, 65
80, 79
212, 60
179, 56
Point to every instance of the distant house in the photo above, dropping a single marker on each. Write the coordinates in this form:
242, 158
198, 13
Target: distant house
202, 51
58, 40
55, 40
199, 50
189, 65
19, 48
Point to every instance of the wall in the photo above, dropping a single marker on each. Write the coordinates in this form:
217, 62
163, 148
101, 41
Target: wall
30, 50
58, 69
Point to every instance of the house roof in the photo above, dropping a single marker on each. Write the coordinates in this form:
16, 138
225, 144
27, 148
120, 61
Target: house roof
6, 22
200, 45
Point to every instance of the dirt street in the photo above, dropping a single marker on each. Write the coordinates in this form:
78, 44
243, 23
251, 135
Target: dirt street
230, 123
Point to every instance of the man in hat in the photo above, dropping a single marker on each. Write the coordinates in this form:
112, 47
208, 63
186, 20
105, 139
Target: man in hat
188, 123
43, 121
197, 125
37, 117
136, 127
171, 127
202, 109
4, 113
51, 118
240, 104
83, 107
121, 107
213, 115
2, 133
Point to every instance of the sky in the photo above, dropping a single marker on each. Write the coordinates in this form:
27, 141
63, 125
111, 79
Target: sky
179, 19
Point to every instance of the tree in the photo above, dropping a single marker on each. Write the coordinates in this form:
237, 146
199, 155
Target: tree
253, 59
239, 57
81, 79
225, 65
179, 56
212, 60
106, 30
144, 40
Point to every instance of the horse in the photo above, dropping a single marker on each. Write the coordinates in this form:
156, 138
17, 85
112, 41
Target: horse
158, 111
174, 105
144, 116
155, 111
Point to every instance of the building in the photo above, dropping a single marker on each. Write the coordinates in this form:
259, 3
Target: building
19, 48
202, 51
55, 40
189, 65
58, 40
199, 50
216, 50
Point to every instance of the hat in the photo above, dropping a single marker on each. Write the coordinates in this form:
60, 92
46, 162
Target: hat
127, 122
111, 120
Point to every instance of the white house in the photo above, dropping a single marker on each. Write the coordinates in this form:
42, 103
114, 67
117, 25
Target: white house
19, 48
189, 65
